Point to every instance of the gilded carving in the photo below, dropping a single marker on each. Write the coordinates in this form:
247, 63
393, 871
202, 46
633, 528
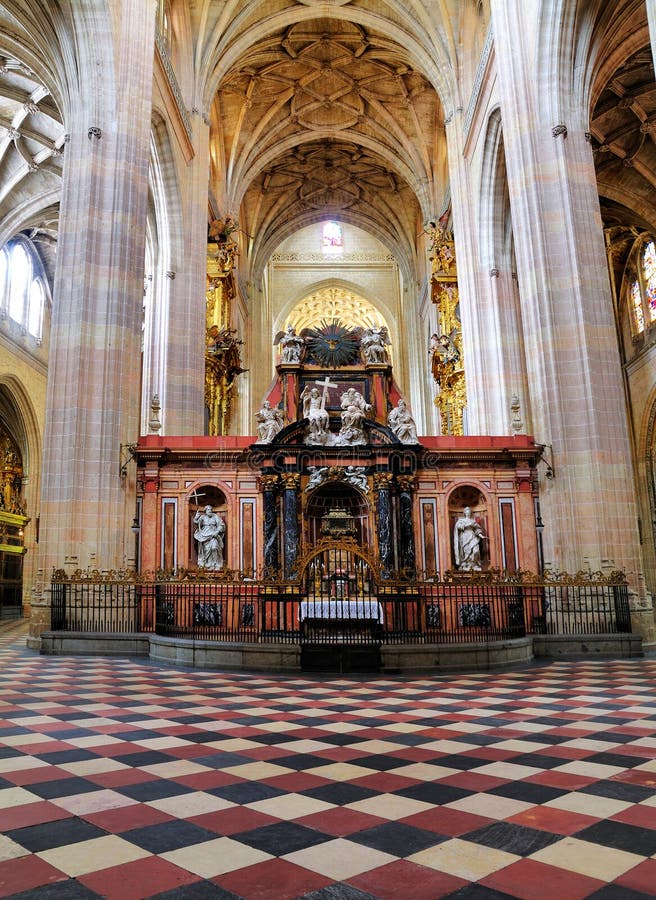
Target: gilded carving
222, 355
447, 365
11, 473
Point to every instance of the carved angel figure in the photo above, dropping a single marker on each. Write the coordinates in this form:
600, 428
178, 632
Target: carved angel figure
291, 345
317, 475
374, 343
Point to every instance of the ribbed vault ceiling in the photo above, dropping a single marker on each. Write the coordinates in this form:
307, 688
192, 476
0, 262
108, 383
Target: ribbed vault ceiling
623, 127
325, 119
31, 142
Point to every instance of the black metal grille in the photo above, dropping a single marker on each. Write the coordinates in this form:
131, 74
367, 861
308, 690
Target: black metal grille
339, 601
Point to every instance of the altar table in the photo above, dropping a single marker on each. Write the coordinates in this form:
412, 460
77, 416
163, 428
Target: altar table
340, 609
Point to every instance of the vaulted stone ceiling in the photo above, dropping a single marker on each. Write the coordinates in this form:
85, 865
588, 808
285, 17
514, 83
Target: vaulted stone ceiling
326, 119
623, 128
31, 146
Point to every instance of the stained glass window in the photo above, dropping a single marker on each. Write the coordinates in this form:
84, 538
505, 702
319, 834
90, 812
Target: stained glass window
649, 275
636, 306
332, 238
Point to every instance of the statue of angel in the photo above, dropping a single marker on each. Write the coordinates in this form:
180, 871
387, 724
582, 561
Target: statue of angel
291, 345
374, 343
317, 475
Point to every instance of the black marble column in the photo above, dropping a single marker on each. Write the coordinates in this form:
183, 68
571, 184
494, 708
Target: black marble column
382, 485
406, 529
269, 484
290, 522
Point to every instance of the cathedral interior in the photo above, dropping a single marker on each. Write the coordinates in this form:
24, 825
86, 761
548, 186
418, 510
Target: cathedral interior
460, 195
327, 344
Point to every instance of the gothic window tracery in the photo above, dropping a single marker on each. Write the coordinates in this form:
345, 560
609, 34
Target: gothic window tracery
642, 290
23, 290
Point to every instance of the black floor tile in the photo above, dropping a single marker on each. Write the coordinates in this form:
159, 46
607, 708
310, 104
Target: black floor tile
396, 838
218, 760
199, 890
63, 787
621, 836
167, 836
157, 789
619, 892
55, 834
67, 756
619, 790
61, 890
282, 837
623, 760
528, 791
380, 762
512, 838
244, 792
300, 761
434, 792
338, 891
146, 758
458, 761
479, 892
539, 760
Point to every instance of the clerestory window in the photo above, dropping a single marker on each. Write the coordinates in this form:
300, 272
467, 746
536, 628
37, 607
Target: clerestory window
642, 292
23, 289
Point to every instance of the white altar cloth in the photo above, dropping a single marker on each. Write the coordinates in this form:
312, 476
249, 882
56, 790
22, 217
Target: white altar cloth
340, 609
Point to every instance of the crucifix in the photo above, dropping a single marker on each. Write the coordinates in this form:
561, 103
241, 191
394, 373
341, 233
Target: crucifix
325, 384
195, 496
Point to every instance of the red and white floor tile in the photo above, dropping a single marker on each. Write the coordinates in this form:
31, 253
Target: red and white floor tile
126, 779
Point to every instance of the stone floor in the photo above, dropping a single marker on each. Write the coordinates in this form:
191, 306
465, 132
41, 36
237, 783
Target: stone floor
128, 779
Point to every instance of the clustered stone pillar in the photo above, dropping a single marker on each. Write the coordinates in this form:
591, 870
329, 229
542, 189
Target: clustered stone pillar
382, 487
568, 324
406, 530
269, 485
94, 360
291, 535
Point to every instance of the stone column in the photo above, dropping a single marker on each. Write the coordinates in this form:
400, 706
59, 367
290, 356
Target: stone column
269, 487
94, 362
574, 375
407, 562
382, 487
291, 535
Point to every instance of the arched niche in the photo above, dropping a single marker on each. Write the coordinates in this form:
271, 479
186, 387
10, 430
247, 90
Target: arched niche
463, 497
349, 501
202, 496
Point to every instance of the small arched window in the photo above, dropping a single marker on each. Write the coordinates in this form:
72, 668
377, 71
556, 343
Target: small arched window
642, 292
332, 238
23, 288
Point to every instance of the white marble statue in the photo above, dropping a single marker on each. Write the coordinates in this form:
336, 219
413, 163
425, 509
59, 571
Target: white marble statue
291, 345
317, 476
269, 423
374, 343
354, 407
209, 534
402, 424
356, 475
467, 536
314, 410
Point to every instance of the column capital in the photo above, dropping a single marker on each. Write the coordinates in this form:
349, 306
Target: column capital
407, 482
269, 482
383, 481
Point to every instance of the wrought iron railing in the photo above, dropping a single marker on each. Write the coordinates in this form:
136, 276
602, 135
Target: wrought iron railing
347, 609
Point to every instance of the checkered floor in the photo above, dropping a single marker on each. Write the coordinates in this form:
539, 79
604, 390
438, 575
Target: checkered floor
126, 779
